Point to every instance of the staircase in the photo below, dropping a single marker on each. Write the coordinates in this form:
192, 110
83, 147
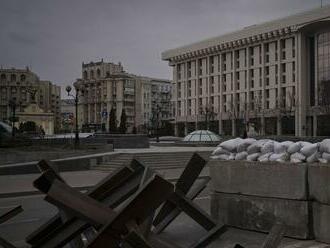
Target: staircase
159, 160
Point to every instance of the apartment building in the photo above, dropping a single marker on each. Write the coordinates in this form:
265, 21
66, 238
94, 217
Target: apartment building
105, 85
25, 87
273, 76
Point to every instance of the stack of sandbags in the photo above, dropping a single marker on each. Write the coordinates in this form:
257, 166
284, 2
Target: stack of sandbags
269, 150
324, 149
234, 149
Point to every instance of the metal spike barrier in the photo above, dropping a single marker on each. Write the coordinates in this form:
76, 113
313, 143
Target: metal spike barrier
119, 211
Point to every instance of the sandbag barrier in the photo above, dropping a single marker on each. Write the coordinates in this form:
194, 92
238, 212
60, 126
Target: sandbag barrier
266, 150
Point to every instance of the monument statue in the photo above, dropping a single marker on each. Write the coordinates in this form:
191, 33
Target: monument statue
32, 91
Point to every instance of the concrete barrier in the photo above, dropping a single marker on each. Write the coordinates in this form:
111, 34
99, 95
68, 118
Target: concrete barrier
319, 183
321, 222
260, 213
286, 181
253, 195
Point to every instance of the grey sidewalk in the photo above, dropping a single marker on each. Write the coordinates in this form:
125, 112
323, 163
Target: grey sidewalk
16, 185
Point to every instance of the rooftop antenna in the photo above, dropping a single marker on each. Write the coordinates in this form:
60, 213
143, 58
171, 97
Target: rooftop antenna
321, 3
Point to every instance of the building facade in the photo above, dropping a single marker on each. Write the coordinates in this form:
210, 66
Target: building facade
274, 75
156, 102
104, 86
68, 115
24, 87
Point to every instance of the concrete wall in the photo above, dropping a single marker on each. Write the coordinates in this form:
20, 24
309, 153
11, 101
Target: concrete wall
125, 140
253, 195
76, 163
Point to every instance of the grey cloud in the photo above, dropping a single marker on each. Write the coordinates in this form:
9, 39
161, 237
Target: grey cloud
22, 39
56, 36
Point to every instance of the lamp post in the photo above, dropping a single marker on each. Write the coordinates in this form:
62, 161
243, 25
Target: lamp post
76, 101
155, 119
13, 105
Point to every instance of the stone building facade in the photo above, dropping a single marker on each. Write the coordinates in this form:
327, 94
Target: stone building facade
68, 115
156, 101
18, 84
104, 86
272, 75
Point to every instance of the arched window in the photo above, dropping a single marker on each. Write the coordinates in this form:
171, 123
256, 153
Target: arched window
98, 72
85, 74
3, 77
23, 77
92, 74
12, 77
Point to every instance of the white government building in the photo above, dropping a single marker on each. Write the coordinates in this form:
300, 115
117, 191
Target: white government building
274, 76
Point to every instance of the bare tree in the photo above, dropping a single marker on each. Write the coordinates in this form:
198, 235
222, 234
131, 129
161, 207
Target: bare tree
238, 113
208, 114
284, 109
324, 97
255, 112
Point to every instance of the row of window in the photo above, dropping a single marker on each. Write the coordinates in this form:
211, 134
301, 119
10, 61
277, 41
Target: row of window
12, 77
238, 82
227, 59
286, 101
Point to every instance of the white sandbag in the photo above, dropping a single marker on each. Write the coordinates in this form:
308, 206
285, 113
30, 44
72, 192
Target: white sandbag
323, 161
309, 150
295, 160
305, 143
279, 148
253, 156
231, 156
298, 156
314, 157
220, 157
231, 145
256, 146
244, 144
287, 143
326, 156
241, 156
219, 151
267, 147
265, 157
325, 146
293, 148
279, 156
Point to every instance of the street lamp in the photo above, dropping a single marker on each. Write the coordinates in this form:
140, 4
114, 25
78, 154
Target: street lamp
13, 105
155, 120
76, 101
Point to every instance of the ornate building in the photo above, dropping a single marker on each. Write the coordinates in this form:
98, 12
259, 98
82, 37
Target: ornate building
274, 75
104, 86
18, 84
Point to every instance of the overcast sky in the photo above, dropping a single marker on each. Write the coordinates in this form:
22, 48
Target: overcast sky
54, 37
